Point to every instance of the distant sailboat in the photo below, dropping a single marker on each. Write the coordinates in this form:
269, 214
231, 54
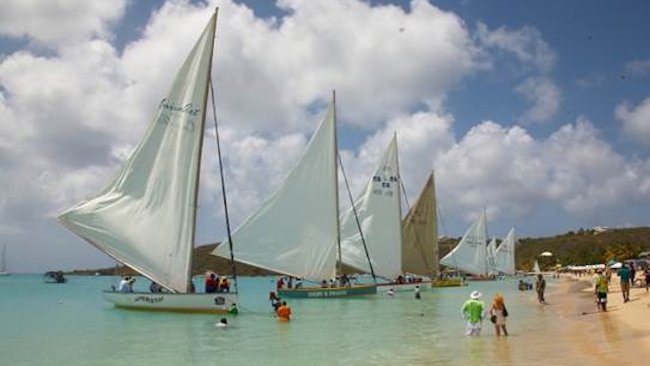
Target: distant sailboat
296, 230
536, 269
3, 262
491, 254
504, 256
146, 216
470, 255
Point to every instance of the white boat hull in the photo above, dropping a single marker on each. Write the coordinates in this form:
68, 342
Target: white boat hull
5, 274
401, 287
182, 303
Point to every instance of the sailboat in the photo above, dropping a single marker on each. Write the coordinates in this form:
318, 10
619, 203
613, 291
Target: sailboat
296, 230
145, 217
471, 252
3, 262
536, 269
504, 256
377, 211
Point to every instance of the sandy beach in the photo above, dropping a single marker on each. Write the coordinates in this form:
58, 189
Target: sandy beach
622, 334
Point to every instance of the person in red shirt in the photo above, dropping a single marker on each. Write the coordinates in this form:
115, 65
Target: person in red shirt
284, 312
210, 283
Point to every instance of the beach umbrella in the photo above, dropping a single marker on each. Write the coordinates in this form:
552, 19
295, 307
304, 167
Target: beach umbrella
611, 262
616, 265
546, 254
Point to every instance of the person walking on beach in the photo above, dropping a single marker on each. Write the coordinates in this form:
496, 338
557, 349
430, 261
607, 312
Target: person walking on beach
473, 311
624, 275
646, 274
601, 290
498, 314
540, 287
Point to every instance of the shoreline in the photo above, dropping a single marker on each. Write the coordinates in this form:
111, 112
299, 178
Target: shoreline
622, 334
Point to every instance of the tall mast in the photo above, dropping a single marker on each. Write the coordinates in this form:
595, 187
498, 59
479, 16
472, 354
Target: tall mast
197, 176
336, 184
223, 190
399, 199
486, 238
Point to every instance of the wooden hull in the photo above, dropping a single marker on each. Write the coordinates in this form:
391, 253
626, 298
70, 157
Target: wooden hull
448, 282
181, 303
401, 287
327, 292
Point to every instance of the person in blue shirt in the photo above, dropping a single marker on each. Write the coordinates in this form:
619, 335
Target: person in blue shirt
624, 275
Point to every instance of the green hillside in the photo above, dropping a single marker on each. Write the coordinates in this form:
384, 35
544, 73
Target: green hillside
581, 247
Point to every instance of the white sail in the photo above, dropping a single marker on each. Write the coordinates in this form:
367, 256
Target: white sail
505, 254
536, 267
379, 213
3, 260
295, 231
420, 234
491, 252
470, 254
145, 216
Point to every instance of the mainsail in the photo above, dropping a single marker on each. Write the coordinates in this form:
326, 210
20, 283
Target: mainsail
420, 234
504, 258
145, 217
379, 212
470, 254
295, 231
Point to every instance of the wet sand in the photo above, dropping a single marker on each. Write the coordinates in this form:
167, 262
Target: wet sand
622, 334
570, 330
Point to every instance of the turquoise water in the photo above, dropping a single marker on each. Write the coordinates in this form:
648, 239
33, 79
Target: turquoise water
70, 324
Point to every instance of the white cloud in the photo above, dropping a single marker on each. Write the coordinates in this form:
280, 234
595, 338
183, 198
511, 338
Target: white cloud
527, 44
638, 67
544, 95
511, 173
57, 22
635, 120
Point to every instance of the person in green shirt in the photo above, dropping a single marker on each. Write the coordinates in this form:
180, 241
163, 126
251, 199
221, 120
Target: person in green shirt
601, 289
473, 311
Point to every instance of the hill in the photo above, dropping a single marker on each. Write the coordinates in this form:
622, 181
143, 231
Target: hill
581, 247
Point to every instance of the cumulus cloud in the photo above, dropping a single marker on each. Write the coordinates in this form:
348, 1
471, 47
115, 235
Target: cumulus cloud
635, 120
511, 173
544, 95
56, 22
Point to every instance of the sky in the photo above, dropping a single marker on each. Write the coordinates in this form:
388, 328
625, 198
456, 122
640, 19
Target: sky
537, 112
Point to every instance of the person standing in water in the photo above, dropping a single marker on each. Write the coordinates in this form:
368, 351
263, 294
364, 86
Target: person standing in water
417, 292
540, 287
284, 312
473, 311
498, 314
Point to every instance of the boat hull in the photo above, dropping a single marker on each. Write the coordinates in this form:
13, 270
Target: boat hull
5, 274
327, 292
400, 287
448, 282
218, 303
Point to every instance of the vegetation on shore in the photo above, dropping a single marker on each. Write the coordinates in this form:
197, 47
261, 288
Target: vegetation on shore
580, 247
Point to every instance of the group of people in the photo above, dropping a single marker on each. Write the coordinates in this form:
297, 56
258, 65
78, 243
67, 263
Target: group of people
474, 311
288, 282
280, 307
126, 284
214, 283
626, 276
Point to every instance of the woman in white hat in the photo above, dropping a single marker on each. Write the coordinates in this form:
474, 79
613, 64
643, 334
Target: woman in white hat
473, 312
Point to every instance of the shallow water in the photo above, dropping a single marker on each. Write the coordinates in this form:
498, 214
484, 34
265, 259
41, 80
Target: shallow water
70, 324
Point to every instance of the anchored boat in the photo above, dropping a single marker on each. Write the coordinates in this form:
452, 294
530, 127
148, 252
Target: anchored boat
145, 217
